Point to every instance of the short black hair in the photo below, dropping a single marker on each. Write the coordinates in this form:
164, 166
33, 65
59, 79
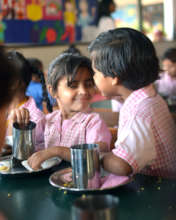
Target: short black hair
170, 54
127, 54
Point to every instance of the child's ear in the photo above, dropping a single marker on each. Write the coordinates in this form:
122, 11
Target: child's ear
50, 90
115, 81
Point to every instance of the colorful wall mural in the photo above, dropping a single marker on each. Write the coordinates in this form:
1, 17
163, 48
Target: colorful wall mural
45, 21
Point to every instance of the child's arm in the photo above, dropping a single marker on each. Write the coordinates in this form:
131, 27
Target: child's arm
116, 165
37, 158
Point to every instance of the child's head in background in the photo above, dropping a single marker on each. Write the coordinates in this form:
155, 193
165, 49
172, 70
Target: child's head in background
124, 57
25, 71
169, 61
37, 64
70, 81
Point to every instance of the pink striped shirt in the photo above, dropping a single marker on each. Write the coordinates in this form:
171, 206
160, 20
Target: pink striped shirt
81, 128
147, 134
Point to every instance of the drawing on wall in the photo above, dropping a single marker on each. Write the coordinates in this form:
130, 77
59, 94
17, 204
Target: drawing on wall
45, 21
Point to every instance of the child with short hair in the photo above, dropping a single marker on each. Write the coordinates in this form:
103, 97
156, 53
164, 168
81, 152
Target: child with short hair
125, 64
70, 81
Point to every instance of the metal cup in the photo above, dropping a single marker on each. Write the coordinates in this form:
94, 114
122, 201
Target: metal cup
23, 140
85, 166
95, 207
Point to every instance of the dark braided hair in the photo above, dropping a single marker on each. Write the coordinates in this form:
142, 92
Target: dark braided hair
36, 68
25, 70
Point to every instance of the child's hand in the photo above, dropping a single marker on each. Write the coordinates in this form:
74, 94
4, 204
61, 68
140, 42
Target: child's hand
37, 158
20, 115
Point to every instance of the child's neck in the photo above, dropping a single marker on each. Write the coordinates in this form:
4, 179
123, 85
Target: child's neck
124, 92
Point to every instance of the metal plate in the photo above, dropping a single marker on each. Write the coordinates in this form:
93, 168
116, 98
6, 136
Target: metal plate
23, 170
62, 179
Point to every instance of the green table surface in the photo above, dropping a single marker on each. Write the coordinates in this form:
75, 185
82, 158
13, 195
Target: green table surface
31, 197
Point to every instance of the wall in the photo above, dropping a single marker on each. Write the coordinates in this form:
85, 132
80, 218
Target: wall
47, 53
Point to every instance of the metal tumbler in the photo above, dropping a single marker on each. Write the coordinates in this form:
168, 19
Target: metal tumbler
85, 166
96, 207
23, 140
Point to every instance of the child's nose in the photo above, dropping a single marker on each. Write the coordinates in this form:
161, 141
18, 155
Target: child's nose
82, 89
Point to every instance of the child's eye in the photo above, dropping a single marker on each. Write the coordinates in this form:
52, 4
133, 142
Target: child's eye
90, 84
73, 85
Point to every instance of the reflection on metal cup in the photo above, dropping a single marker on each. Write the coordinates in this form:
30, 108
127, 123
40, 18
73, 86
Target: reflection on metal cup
23, 140
85, 166
95, 207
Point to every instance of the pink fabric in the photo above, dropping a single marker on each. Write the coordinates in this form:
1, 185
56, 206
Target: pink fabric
98, 98
113, 181
147, 134
166, 85
81, 128
36, 116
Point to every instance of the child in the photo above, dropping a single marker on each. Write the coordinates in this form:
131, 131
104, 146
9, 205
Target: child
8, 75
37, 88
166, 85
21, 100
125, 64
70, 81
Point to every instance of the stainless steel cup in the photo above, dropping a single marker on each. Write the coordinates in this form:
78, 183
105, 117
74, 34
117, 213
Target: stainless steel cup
23, 140
95, 207
85, 166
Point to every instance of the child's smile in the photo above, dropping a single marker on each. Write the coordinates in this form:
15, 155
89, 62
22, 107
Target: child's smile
77, 95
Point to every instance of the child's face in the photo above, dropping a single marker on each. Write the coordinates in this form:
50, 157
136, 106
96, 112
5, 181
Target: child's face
169, 67
104, 84
77, 96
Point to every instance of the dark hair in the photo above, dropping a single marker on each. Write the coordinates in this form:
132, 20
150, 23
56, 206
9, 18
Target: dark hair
127, 54
22, 66
72, 49
170, 54
37, 69
25, 71
8, 75
104, 9
35, 62
66, 65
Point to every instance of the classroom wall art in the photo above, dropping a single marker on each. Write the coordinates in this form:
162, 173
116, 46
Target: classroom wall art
45, 21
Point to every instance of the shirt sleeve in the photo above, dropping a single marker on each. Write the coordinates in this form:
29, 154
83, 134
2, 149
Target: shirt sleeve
39, 135
138, 145
97, 131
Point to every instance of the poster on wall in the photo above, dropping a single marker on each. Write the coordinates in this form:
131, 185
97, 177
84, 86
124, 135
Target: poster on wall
45, 21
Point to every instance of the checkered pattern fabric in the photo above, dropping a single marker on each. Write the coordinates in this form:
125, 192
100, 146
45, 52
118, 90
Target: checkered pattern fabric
81, 128
147, 134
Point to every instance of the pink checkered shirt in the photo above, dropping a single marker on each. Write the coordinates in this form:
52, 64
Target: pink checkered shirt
81, 128
36, 116
166, 85
147, 134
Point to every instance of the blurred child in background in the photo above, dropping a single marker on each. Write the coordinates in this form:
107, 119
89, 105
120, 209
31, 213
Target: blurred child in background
37, 88
166, 85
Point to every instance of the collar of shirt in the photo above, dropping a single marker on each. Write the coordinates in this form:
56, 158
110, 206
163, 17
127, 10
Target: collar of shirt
138, 96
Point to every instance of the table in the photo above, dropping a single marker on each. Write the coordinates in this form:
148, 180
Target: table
33, 198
